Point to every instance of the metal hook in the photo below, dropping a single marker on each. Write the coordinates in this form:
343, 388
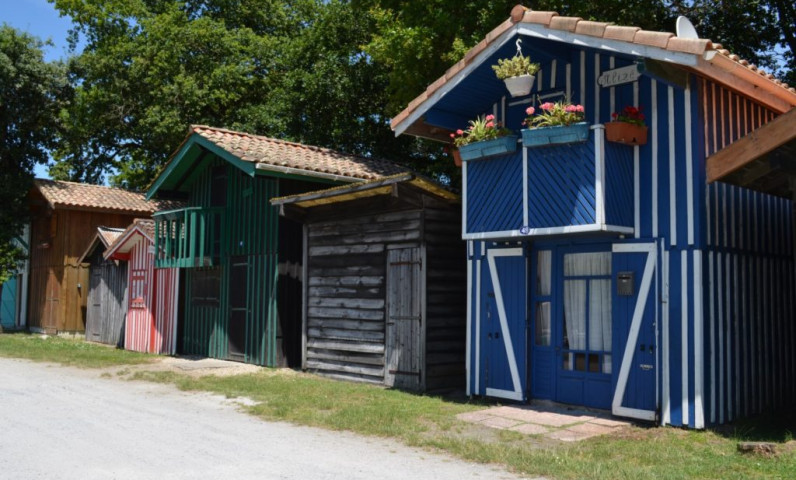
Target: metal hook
519, 50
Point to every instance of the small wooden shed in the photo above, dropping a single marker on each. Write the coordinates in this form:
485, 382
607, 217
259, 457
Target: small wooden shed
152, 298
64, 217
386, 272
107, 290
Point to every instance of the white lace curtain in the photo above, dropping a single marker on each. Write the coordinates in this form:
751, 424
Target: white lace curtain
596, 298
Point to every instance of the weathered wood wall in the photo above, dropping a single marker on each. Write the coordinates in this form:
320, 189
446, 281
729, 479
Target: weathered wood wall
107, 300
446, 299
347, 294
58, 239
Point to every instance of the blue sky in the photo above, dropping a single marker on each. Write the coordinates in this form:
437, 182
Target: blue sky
41, 19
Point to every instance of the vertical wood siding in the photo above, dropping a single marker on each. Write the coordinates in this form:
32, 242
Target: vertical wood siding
55, 301
107, 300
725, 271
749, 307
250, 228
151, 318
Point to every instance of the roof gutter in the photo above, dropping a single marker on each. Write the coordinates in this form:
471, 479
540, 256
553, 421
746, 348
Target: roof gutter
307, 173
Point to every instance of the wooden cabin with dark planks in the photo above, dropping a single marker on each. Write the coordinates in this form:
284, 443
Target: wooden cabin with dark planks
64, 218
239, 261
386, 270
107, 290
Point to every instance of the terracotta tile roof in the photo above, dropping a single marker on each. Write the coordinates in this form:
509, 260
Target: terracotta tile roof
108, 235
270, 152
83, 196
576, 25
121, 245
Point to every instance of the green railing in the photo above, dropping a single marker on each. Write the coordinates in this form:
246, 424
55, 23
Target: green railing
188, 237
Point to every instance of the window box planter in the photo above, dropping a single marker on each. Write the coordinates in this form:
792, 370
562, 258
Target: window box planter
538, 137
488, 148
627, 133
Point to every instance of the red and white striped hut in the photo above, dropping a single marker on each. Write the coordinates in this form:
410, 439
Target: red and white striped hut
153, 293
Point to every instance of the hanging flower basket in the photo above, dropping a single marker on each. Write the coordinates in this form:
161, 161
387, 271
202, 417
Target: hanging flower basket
519, 86
627, 133
488, 148
560, 134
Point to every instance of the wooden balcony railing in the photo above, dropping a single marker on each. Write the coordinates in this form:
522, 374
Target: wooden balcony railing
188, 237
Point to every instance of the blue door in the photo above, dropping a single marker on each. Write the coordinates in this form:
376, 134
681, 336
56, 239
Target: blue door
502, 324
635, 340
583, 333
8, 303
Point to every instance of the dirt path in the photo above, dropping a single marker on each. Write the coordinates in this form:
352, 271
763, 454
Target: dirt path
64, 423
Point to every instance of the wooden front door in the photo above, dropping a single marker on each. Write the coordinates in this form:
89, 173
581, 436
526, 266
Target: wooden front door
403, 350
95, 316
238, 309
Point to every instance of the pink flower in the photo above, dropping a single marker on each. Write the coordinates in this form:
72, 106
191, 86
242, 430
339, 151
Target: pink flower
459, 132
579, 108
490, 124
571, 108
453, 135
546, 106
529, 110
489, 117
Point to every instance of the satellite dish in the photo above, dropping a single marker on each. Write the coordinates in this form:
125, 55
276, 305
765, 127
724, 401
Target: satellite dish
685, 29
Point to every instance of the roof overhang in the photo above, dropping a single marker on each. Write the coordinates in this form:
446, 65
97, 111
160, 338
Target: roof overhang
385, 186
120, 248
187, 161
550, 37
764, 160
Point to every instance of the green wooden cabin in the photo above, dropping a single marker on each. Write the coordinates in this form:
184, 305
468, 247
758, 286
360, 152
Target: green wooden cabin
240, 263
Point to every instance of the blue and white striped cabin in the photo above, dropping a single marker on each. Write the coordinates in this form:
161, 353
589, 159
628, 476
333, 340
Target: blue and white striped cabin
615, 276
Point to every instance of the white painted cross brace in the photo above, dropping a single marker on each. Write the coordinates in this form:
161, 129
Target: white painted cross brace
517, 393
635, 326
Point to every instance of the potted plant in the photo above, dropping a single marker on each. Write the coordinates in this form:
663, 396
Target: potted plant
627, 127
517, 73
483, 138
555, 123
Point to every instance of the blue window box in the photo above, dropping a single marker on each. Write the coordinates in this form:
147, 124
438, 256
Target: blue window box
537, 137
488, 148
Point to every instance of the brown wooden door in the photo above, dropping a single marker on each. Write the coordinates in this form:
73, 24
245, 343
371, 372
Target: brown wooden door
238, 311
403, 352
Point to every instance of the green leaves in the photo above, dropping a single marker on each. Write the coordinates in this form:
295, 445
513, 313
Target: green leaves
30, 89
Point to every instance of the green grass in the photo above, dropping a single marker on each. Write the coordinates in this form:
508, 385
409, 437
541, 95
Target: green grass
72, 352
429, 422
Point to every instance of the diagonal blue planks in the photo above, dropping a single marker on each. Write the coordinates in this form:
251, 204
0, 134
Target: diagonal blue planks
494, 194
561, 185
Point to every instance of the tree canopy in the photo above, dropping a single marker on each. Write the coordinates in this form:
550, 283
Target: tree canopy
328, 73
29, 93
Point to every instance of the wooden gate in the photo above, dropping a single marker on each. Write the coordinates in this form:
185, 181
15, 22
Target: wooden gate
403, 356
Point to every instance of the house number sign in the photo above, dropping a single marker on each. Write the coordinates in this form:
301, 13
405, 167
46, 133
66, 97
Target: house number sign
618, 76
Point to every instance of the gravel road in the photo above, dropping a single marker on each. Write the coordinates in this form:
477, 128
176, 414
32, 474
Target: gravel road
65, 423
